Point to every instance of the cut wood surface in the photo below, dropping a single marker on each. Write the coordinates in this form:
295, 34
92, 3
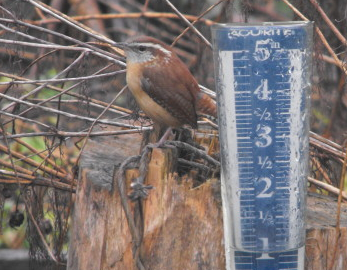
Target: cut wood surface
182, 224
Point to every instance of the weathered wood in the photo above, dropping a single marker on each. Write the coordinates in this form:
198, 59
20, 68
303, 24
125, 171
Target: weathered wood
100, 236
182, 225
324, 244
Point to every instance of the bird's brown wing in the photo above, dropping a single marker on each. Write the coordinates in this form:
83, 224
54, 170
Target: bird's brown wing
172, 93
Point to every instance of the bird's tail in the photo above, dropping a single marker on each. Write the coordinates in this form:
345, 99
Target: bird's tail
206, 105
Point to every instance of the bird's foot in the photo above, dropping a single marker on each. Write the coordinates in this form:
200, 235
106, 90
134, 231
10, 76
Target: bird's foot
140, 191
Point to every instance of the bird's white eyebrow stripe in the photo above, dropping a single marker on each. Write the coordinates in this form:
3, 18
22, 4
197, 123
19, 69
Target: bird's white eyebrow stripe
156, 46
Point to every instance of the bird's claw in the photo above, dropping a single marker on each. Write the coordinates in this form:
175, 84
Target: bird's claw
140, 191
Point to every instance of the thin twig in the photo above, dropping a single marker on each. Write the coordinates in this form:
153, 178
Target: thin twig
118, 181
329, 22
53, 80
96, 120
94, 50
43, 240
189, 23
196, 20
69, 21
319, 167
338, 212
60, 133
327, 187
327, 149
65, 91
14, 116
74, 102
130, 15
36, 90
44, 46
33, 163
8, 29
193, 164
321, 36
199, 153
209, 122
36, 180
70, 115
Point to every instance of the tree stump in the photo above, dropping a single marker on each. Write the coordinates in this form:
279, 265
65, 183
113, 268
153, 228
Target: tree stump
183, 226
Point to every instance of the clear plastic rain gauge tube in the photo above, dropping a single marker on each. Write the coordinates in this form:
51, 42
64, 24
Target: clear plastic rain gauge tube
263, 74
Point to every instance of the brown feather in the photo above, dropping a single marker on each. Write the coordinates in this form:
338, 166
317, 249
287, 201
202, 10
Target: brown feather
206, 105
165, 89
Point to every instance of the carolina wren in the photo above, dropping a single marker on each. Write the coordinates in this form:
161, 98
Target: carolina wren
162, 84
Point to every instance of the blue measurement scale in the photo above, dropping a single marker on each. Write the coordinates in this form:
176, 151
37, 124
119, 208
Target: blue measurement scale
263, 83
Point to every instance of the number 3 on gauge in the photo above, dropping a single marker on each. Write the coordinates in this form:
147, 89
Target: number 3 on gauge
264, 139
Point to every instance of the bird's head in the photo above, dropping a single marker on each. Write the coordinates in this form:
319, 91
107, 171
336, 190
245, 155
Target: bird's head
145, 49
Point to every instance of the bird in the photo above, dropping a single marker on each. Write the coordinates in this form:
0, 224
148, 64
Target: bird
162, 85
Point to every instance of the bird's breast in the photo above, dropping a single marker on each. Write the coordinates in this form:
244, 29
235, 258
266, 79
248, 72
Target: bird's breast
152, 109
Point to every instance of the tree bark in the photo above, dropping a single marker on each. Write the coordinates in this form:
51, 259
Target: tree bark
182, 224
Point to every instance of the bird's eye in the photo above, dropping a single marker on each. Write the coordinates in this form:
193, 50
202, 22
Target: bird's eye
142, 48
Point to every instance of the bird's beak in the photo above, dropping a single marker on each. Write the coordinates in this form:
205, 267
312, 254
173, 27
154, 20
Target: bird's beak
122, 46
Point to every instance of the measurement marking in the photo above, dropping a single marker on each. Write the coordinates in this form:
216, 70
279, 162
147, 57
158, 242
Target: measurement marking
247, 184
284, 188
246, 116
247, 195
294, 256
248, 213
282, 136
248, 208
242, 132
282, 156
243, 127
281, 161
283, 93
283, 200
242, 101
244, 158
244, 185
247, 218
245, 230
250, 243
283, 185
286, 167
243, 114
246, 128
243, 84
243, 92
248, 189
243, 111
243, 138
245, 162
237, 104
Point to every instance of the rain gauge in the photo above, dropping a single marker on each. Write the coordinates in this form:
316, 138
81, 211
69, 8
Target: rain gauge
263, 74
